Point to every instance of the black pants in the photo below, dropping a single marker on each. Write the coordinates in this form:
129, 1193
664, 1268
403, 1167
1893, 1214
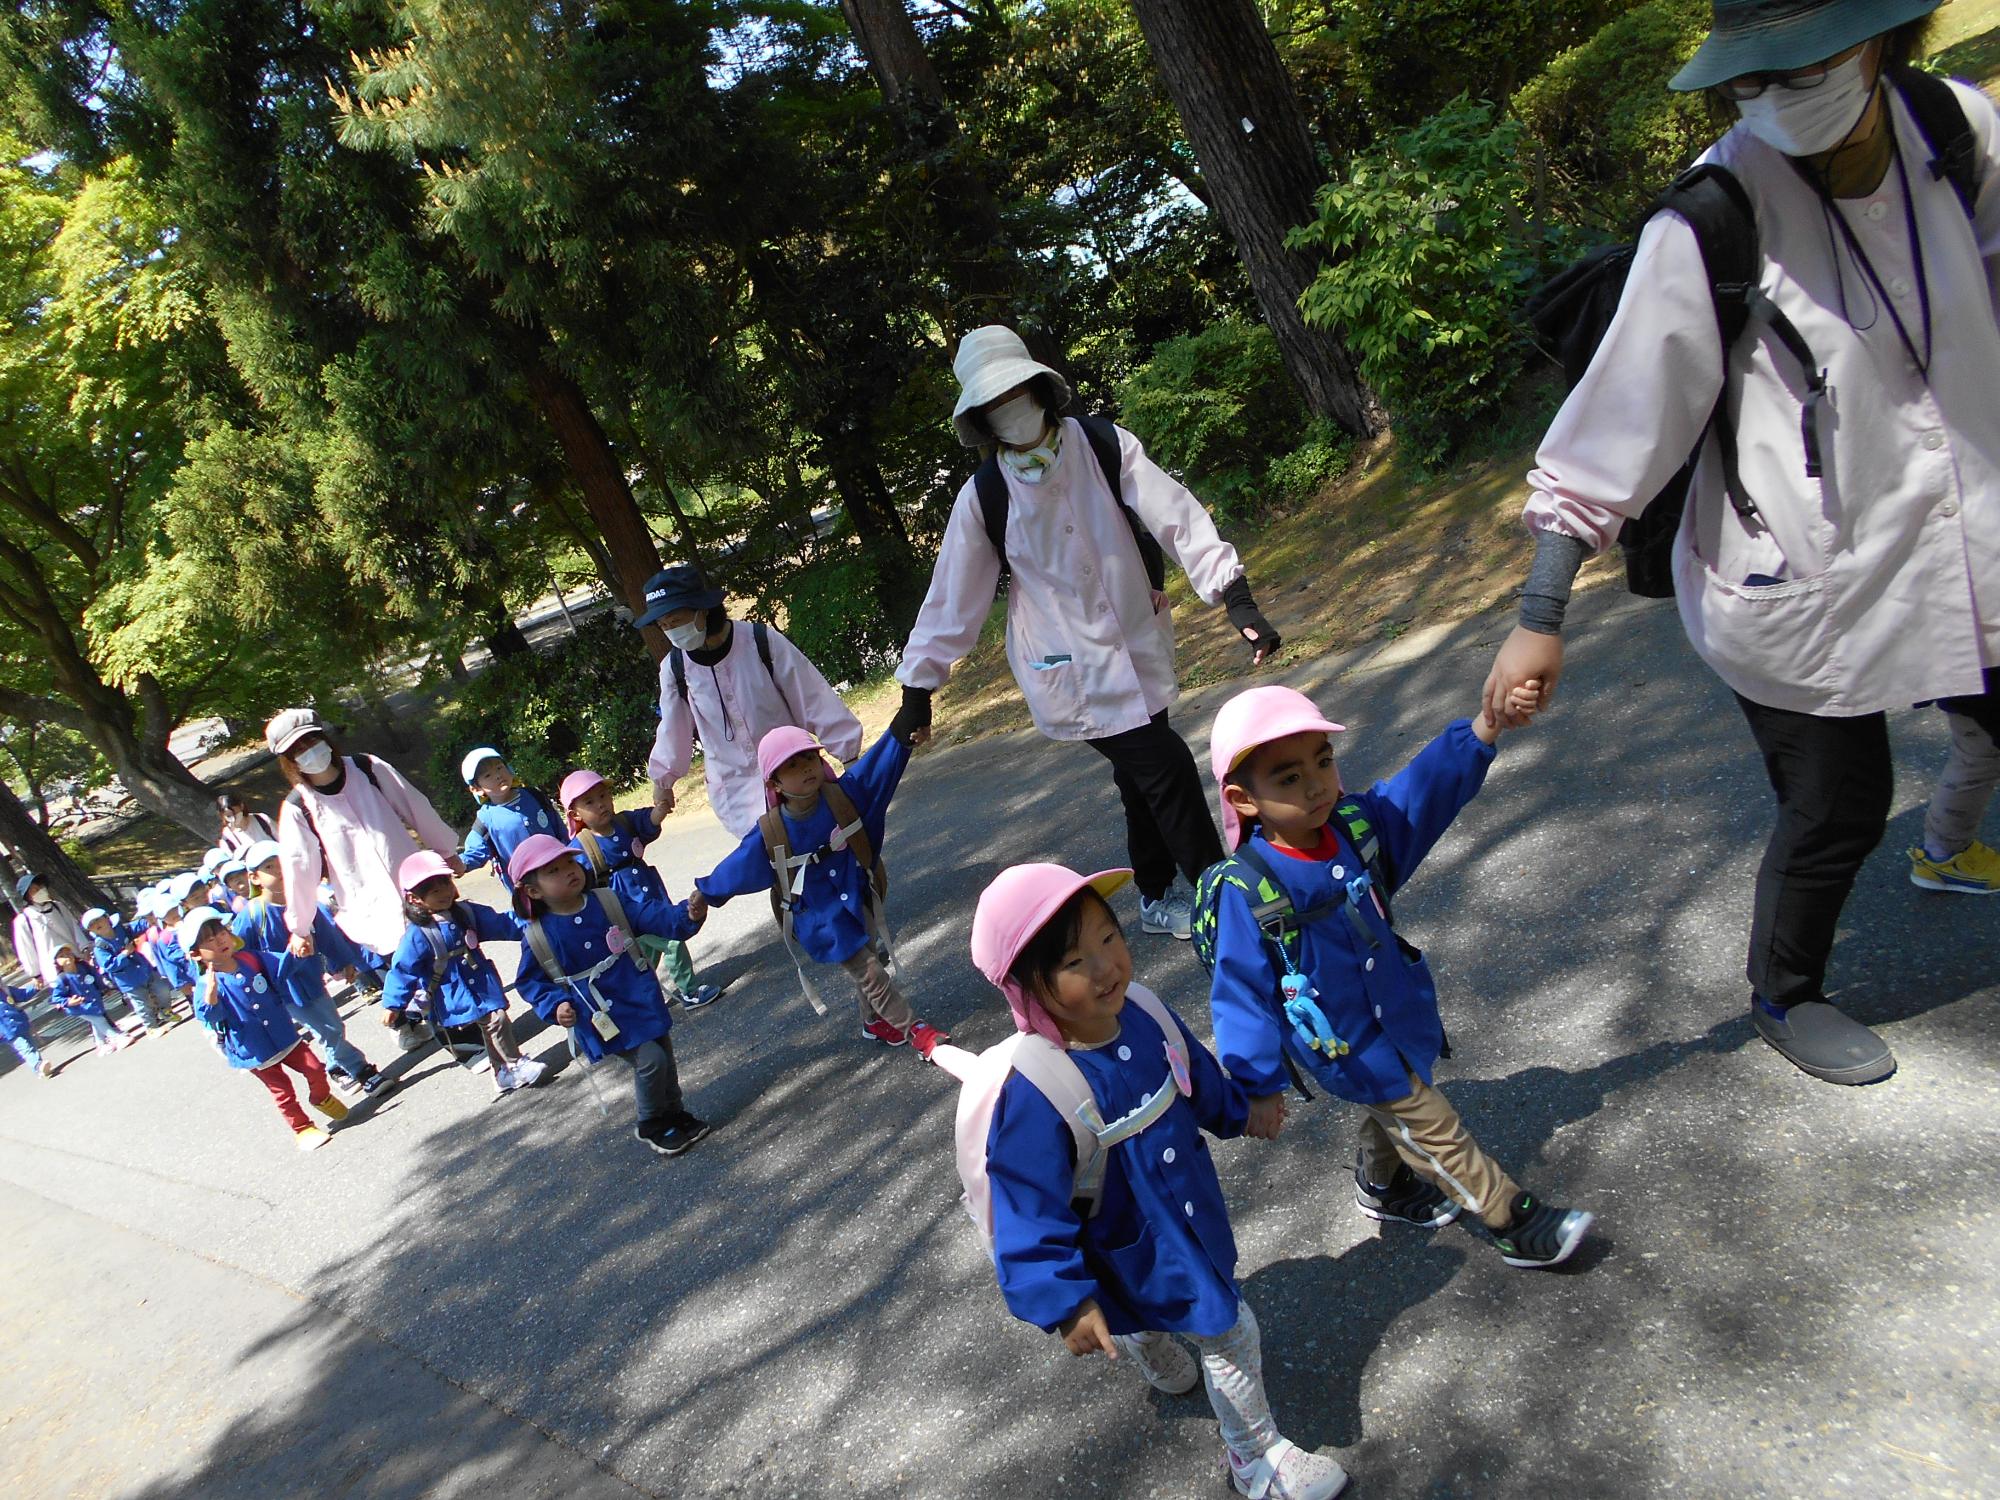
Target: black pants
1167, 822
1833, 778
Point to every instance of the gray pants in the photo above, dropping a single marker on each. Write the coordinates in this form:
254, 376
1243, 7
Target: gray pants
1964, 790
155, 991
878, 993
656, 1082
1232, 1367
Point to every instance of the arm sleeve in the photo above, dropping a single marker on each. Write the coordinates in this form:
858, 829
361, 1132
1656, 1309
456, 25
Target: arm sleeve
409, 972
1219, 1101
1248, 1039
1643, 403
1178, 522
1037, 1237
959, 599
829, 720
478, 848
875, 777
1413, 808
746, 870
1980, 114
664, 919
490, 926
644, 826
298, 853
414, 808
673, 741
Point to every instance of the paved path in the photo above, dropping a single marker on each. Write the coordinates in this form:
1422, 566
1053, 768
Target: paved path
1793, 1293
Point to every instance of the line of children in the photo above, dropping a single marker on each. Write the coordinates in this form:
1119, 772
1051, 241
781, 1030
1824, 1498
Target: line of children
239, 1002
613, 846
115, 953
18, 1031
439, 968
79, 990
824, 833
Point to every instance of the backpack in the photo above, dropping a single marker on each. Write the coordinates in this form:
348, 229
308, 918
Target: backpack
1281, 923
541, 800
593, 851
1048, 1067
296, 797
760, 633
537, 939
1569, 316
991, 487
788, 872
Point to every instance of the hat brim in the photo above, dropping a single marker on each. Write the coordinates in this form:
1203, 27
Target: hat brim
284, 746
1053, 900
1788, 42
705, 599
992, 382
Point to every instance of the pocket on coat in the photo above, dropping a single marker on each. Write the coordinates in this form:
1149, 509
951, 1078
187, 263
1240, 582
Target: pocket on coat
1137, 1272
1778, 633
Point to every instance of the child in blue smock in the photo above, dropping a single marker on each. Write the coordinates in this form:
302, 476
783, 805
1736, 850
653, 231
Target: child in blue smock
261, 926
241, 1005
613, 846
580, 969
1153, 1255
828, 830
171, 959
439, 968
508, 812
114, 948
81, 992
18, 1032
1331, 988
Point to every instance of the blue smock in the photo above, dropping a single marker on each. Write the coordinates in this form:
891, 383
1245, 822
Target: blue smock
623, 850
1378, 997
1159, 1253
499, 828
81, 993
119, 961
630, 994
261, 925
471, 987
175, 966
246, 1011
13, 1021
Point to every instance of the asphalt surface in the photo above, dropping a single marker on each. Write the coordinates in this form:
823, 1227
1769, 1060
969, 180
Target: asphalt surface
1792, 1290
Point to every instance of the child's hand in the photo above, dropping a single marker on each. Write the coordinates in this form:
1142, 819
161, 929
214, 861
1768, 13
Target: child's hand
1087, 1333
1267, 1117
565, 1014
301, 945
1523, 703
697, 908
393, 1019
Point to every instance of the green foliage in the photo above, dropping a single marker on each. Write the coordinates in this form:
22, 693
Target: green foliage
829, 613
1215, 407
1299, 475
590, 701
1606, 133
1427, 262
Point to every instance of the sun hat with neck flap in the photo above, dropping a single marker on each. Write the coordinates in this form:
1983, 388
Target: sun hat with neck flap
1250, 719
1018, 904
1777, 36
990, 362
779, 746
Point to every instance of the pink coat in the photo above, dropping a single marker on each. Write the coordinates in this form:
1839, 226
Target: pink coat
367, 834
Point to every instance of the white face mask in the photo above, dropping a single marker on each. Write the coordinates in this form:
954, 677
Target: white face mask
1020, 422
688, 636
1805, 122
42, 898
315, 760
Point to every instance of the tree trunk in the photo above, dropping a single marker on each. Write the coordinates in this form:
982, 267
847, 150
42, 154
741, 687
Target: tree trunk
1257, 160
34, 850
607, 496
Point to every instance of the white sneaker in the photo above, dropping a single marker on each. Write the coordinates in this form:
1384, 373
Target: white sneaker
1286, 1472
1170, 1369
1170, 916
505, 1081
527, 1073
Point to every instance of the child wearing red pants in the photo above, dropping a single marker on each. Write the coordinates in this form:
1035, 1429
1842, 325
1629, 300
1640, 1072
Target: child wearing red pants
236, 999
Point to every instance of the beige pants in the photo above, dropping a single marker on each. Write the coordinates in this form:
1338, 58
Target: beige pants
879, 995
498, 1033
1423, 1130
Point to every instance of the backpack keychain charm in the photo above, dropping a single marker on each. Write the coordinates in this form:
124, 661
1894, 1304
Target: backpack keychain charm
1295, 987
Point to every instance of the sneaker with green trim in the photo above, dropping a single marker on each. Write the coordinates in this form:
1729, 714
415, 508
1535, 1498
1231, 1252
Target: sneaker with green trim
1540, 1234
1973, 871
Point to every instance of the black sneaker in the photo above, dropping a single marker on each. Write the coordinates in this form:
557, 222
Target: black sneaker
692, 1128
669, 1139
1819, 1040
373, 1080
1408, 1199
1541, 1234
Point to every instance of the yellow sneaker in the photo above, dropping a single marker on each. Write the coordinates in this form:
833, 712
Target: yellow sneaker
331, 1107
311, 1138
1973, 871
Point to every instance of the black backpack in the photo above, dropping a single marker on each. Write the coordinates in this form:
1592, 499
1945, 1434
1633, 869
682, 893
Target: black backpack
1102, 433
1570, 314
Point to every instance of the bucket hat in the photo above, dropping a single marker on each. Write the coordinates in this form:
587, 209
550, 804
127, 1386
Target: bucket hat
1776, 36
990, 362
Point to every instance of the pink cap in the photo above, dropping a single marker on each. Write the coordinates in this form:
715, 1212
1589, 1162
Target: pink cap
425, 864
1016, 906
534, 851
575, 785
1253, 718
779, 746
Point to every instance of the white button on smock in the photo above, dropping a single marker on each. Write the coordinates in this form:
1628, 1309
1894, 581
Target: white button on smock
1167, 1156
1124, 1054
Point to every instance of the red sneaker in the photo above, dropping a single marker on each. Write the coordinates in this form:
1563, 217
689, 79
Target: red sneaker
924, 1036
879, 1030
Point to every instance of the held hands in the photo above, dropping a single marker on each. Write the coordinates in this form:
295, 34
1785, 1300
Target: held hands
301, 945
912, 724
454, 864
1522, 704
1527, 657
663, 801
1087, 1332
566, 1014
1267, 1117
697, 905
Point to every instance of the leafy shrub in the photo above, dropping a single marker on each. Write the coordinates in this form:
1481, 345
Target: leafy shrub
1299, 474
1215, 407
589, 701
1605, 132
832, 613
1428, 258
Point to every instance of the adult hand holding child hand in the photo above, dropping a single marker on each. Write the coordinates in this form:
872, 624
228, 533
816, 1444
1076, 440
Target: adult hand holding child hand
1087, 1332
1518, 709
1527, 656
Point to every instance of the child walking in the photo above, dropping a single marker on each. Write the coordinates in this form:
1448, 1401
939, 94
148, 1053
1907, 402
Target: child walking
1118, 1238
1951, 857
238, 1001
263, 927
613, 846
1310, 973
172, 960
439, 968
80, 991
508, 812
580, 968
18, 1032
825, 834
114, 948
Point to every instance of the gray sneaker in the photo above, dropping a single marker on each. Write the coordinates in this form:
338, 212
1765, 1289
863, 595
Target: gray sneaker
1170, 916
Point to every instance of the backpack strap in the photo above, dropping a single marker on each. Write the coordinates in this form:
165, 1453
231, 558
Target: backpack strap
1941, 120
677, 661
615, 910
538, 944
847, 821
1057, 1078
760, 633
991, 487
593, 853
1361, 834
440, 950
1102, 434
777, 849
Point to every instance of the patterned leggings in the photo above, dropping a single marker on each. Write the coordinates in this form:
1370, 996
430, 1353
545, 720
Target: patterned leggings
1232, 1367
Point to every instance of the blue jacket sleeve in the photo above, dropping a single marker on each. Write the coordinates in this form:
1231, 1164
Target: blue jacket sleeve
409, 972
645, 827
478, 848
874, 779
1037, 1237
1242, 999
747, 870
490, 926
665, 919
1219, 1101
1413, 808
